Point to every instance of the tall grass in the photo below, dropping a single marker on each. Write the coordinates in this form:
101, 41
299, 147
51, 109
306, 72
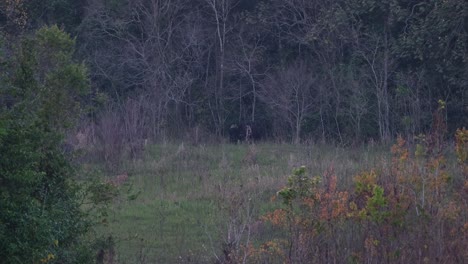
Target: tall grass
196, 204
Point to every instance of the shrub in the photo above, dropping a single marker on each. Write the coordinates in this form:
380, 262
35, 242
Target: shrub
416, 211
41, 216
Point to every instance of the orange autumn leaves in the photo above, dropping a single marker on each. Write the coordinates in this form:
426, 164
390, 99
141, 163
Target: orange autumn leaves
323, 200
418, 203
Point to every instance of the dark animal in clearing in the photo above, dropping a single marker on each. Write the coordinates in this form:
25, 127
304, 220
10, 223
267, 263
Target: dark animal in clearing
241, 133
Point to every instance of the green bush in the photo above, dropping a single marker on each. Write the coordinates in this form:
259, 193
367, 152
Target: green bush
41, 217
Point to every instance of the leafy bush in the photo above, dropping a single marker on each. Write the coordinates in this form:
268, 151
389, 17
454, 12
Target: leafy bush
413, 211
41, 217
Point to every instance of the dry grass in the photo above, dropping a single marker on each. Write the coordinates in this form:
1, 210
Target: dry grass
196, 201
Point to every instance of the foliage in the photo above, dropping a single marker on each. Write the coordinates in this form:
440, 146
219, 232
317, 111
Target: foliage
369, 71
47, 81
375, 69
197, 199
415, 206
461, 147
41, 217
346, 71
312, 203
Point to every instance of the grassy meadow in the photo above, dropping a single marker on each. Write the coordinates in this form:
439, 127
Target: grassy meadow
225, 203
188, 193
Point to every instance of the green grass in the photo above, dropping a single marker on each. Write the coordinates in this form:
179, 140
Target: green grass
160, 231
189, 194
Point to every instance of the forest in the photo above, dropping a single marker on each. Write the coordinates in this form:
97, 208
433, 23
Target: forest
365, 101
339, 71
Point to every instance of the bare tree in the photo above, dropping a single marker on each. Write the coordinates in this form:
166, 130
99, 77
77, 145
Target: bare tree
357, 101
246, 62
410, 103
155, 52
290, 93
380, 65
221, 17
374, 49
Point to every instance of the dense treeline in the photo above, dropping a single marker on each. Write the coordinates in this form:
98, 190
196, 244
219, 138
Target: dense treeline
345, 70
